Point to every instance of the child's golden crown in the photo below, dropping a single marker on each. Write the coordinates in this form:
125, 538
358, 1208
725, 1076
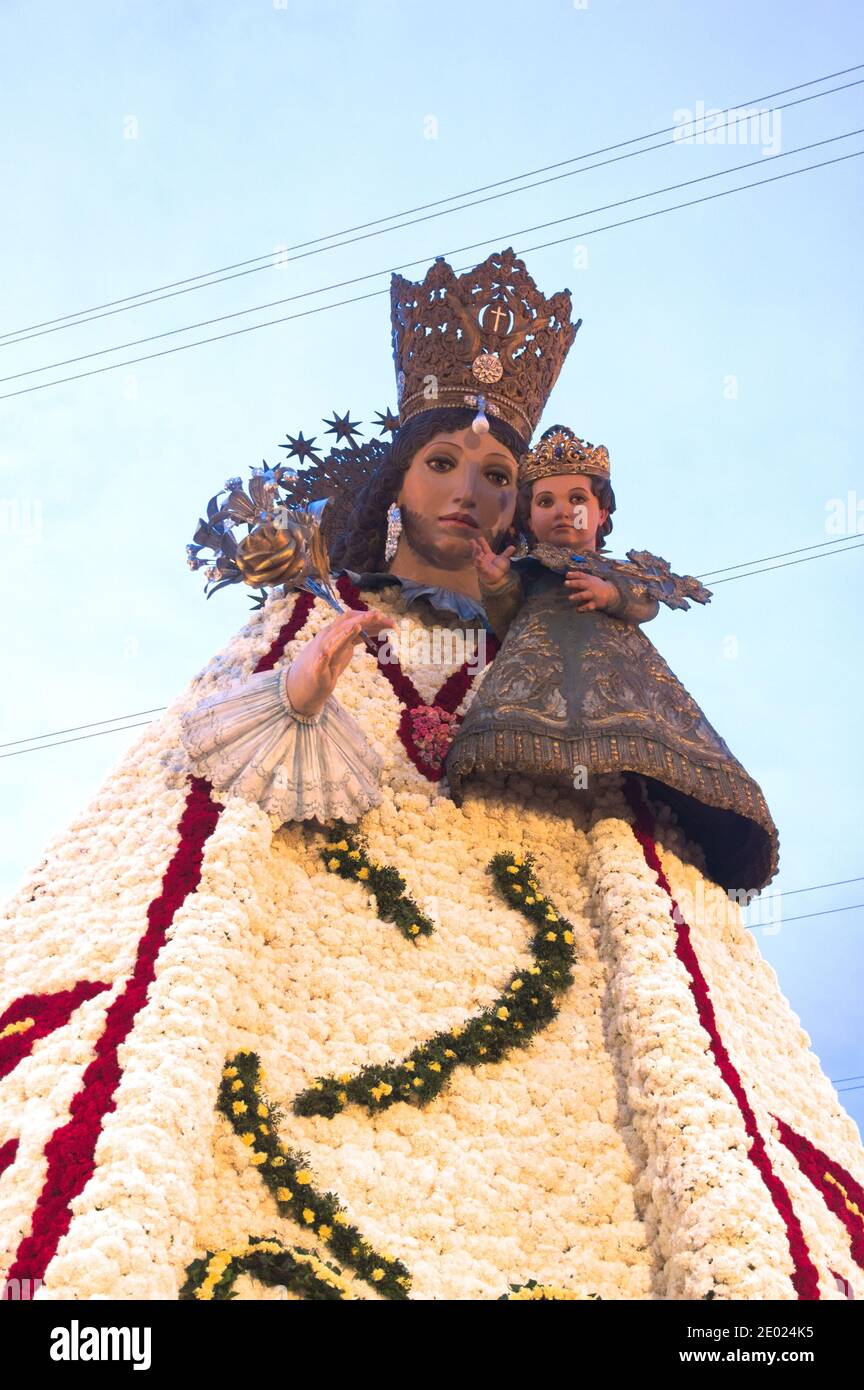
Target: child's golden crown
561, 451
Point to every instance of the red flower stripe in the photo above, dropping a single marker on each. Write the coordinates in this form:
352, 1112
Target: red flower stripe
288, 631
48, 1011
820, 1169
70, 1150
449, 697
805, 1279
7, 1154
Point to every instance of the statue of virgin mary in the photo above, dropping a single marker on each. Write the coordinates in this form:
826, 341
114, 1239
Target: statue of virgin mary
280, 1018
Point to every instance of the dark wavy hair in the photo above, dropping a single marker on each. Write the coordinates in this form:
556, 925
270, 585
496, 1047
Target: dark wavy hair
360, 544
602, 490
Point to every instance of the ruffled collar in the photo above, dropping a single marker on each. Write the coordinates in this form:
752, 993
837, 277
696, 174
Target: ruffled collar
448, 600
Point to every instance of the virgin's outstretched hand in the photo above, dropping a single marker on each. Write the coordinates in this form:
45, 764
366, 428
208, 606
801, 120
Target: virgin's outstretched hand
317, 667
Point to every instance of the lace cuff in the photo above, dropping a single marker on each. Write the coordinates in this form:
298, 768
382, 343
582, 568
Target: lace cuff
249, 741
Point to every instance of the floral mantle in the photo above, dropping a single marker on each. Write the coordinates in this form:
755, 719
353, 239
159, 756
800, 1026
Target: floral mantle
667, 1133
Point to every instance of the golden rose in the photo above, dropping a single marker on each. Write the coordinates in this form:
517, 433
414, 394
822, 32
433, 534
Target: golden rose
272, 554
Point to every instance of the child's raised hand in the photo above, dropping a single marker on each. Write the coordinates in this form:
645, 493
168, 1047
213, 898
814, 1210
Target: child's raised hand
490, 567
589, 591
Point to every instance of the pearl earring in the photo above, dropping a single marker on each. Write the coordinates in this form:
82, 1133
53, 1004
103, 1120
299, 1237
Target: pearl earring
394, 529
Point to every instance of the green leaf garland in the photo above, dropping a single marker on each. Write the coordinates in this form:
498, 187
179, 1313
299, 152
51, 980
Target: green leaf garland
269, 1261
547, 1292
526, 1005
287, 1175
347, 855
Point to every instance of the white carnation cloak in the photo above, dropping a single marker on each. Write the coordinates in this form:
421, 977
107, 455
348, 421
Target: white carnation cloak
671, 1134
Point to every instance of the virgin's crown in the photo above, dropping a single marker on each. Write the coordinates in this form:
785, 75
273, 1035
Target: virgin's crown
489, 333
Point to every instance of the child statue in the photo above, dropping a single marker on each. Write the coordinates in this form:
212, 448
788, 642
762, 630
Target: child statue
575, 696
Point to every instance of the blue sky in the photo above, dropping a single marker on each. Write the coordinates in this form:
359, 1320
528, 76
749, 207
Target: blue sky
147, 142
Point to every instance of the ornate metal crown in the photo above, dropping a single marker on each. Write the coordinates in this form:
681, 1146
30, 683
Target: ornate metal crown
561, 451
488, 332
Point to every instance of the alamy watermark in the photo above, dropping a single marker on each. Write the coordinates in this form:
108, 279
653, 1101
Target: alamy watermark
844, 516
437, 646
20, 1290
77, 1343
735, 126
765, 914
21, 517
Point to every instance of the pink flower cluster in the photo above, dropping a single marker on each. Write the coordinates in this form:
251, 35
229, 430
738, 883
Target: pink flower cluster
432, 729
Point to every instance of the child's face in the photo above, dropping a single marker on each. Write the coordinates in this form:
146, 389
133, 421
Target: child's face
564, 511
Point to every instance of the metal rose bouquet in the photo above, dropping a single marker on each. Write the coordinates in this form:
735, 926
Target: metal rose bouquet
283, 545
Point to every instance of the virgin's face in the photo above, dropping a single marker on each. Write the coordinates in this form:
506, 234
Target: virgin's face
458, 486
564, 511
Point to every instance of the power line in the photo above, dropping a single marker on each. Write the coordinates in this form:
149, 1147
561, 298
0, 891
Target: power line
827, 912
159, 708
790, 893
803, 561
155, 295
286, 318
121, 730
372, 275
838, 540
840, 1079
851, 1088
75, 727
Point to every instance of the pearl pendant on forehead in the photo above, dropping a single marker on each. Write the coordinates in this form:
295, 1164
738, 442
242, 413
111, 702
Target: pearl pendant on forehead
480, 425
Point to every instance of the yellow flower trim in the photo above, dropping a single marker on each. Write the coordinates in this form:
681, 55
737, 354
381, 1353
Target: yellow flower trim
22, 1026
220, 1261
325, 1210
851, 1206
